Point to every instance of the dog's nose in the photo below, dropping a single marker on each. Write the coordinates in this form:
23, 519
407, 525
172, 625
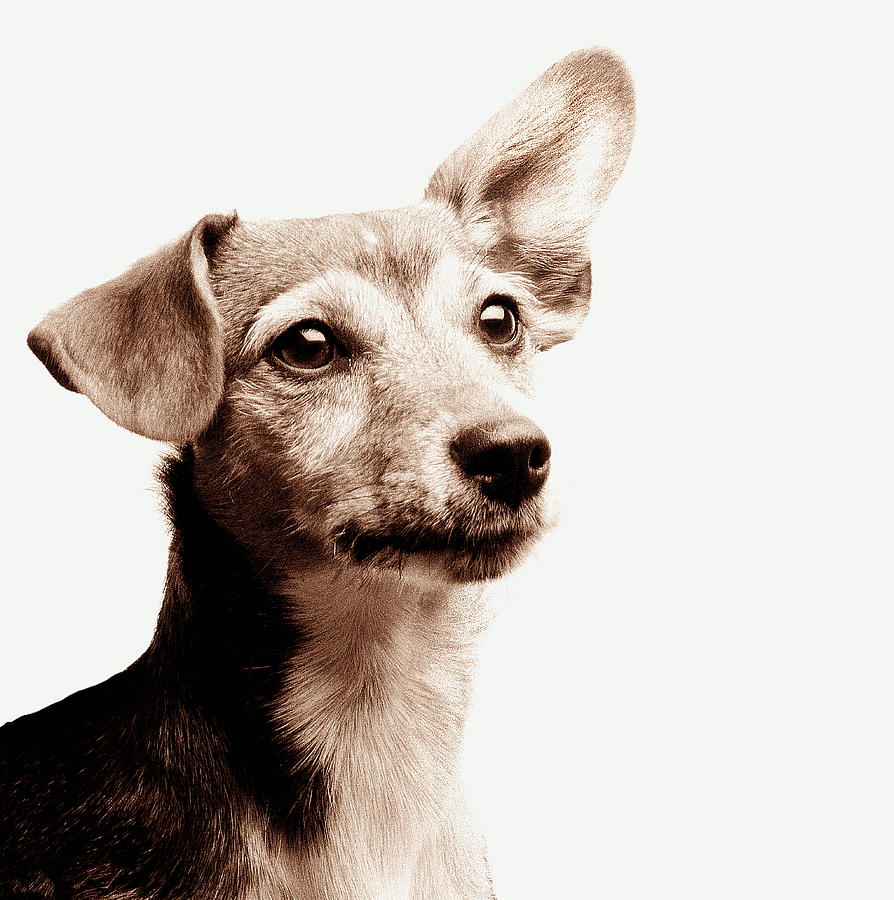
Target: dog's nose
509, 459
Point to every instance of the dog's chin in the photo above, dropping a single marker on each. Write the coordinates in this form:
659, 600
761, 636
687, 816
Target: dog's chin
432, 555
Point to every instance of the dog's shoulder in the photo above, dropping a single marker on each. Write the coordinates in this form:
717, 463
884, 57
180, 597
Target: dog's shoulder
55, 768
81, 736
94, 800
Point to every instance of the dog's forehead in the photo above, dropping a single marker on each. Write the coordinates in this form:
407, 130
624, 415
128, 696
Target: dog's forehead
397, 250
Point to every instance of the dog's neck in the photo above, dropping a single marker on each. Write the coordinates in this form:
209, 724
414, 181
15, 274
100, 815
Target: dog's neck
385, 660
341, 694
379, 695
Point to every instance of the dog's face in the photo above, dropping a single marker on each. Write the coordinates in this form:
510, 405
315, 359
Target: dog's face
377, 394
353, 386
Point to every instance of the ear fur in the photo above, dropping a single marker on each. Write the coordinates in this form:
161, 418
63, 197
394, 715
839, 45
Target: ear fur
528, 184
146, 347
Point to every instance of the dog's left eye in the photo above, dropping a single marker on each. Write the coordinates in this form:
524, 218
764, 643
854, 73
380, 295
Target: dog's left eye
307, 345
498, 320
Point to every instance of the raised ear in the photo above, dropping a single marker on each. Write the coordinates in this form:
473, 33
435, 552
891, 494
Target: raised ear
146, 347
528, 184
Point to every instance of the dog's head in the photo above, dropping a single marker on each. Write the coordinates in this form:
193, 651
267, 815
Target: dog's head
352, 386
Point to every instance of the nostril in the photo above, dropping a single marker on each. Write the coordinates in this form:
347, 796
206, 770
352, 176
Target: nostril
539, 455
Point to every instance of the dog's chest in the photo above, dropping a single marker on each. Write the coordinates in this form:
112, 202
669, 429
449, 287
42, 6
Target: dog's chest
380, 705
445, 867
386, 837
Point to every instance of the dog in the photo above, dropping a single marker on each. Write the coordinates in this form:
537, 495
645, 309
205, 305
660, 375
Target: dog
351, 465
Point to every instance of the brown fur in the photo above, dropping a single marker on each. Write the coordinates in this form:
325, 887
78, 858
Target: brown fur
338, 485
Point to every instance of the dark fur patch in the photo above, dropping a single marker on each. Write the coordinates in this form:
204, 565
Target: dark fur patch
141, 782
232, 637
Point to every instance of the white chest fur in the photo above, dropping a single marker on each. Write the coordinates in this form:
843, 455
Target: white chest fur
378, 694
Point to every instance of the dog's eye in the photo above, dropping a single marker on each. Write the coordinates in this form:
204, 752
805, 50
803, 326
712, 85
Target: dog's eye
498, 320
307, 345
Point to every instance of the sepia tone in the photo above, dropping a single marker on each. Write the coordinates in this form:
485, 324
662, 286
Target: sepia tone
353, 463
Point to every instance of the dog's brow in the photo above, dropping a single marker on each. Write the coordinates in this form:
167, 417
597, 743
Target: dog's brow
479, 280
318, 298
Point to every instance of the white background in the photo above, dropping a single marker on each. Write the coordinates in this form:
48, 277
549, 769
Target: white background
688, 693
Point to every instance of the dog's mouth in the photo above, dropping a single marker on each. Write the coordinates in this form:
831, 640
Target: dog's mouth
464, 556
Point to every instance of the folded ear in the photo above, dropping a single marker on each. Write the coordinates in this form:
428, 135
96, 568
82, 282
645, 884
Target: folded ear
146, 347
528, 184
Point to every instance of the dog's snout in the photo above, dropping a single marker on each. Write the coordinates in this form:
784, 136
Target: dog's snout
509, 460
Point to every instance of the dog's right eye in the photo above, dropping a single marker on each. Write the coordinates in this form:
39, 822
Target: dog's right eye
307, 345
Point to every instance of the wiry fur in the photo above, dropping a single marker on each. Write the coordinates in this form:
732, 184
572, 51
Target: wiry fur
294, 728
